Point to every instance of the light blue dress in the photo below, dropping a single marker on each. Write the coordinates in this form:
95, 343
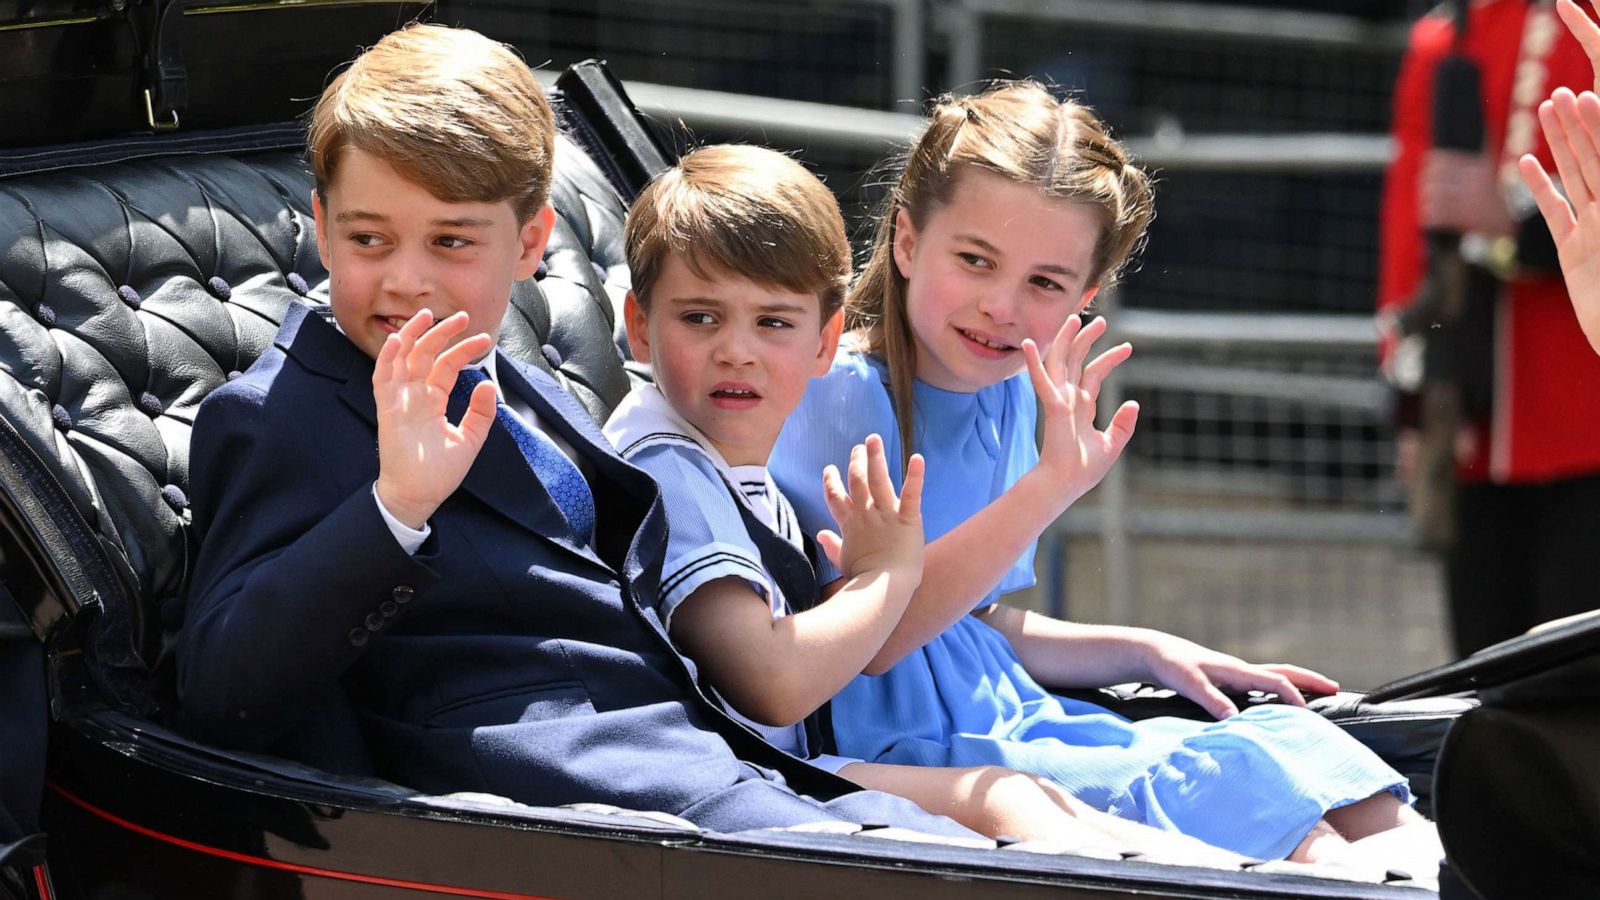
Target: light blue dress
1254, 784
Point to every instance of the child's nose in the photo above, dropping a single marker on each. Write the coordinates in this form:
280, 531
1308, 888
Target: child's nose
406, 275
734, 349
999, 304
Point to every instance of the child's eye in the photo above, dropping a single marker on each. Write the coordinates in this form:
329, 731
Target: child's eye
774, 322
1047, 284
365, 239
452, 242
699, 318
974, 260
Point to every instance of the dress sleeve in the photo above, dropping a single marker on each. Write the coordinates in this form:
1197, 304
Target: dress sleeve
838, 411
706, 536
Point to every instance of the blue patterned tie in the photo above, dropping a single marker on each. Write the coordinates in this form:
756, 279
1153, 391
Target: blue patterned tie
557, 472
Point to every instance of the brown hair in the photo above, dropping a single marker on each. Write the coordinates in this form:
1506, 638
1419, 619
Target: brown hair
744, 210
449, 109
1018, 130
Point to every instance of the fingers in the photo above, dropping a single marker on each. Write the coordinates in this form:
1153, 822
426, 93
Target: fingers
1120, 430
477, 421
1264, 679
832, 546
1579, 145
1585, 30
1567, 167
911, 492
833, 493
856, 476
428, 346
1552, 206
1082, 343
1045, 388
1197, 687
383, 373
1096, 372
1056, 359
1305, 679
879, 485
447, 365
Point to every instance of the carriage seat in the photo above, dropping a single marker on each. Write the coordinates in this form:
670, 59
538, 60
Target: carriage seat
131, 287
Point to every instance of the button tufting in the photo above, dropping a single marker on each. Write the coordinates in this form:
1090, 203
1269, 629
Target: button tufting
359, 636
175, 497
374, 622
130, 296
600, 272
62, 418
46, 316
219, 288
551, 355
402, 595
151, 404
297, 283
542, 271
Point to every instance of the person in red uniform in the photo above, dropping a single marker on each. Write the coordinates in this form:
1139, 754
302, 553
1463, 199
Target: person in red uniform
1571, 204
1527, 526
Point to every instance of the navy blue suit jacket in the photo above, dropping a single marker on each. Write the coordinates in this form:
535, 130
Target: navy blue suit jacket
497, 658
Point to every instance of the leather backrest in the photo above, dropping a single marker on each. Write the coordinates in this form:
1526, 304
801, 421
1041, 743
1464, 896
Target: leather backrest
128, 291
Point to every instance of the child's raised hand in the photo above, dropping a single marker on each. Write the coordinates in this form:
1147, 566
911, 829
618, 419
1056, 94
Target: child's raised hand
422, 458
1572, 130
1585, 30
1075, 455
878, 531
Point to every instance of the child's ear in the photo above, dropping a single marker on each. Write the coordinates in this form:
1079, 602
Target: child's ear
533, 236
831, 331
320, 217
905, 241
638, 325
1088, 297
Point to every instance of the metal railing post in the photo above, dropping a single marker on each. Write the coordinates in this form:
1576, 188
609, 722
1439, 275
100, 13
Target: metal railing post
1121, 594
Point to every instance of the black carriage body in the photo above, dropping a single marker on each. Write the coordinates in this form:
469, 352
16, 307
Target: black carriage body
111, 334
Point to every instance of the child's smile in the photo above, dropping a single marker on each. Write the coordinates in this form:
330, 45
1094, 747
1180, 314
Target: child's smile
997, 263
732, 357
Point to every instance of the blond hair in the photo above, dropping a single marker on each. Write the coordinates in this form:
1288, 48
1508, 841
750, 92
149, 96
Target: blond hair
1018, 130
746, 211
449, 109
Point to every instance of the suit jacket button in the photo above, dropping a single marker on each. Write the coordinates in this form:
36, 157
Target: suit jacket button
374, 622
403, 594
389, 608
359, 636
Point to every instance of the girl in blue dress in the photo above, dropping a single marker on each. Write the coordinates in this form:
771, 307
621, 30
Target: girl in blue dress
1012, 210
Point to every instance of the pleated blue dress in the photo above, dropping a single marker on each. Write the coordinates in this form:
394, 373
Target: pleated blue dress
1255, 783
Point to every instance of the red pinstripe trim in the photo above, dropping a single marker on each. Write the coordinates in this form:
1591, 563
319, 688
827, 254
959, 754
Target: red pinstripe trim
41, 882
276, 864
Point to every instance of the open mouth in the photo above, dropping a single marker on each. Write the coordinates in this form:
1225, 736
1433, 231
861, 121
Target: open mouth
734, 396
985, 342
392, 323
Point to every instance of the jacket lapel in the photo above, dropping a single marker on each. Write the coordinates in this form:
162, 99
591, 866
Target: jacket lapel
607, 472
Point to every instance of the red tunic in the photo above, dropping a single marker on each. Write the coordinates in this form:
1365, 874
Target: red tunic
1546, 420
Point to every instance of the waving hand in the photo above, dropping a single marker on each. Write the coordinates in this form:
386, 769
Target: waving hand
1076, 453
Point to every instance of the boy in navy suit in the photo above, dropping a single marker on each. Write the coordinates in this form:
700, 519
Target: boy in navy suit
420, 557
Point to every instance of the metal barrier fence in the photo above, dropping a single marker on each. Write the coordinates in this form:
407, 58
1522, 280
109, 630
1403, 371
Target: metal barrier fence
1257, 509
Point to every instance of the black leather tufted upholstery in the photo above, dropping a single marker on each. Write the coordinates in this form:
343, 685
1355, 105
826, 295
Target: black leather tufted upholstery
128, 291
